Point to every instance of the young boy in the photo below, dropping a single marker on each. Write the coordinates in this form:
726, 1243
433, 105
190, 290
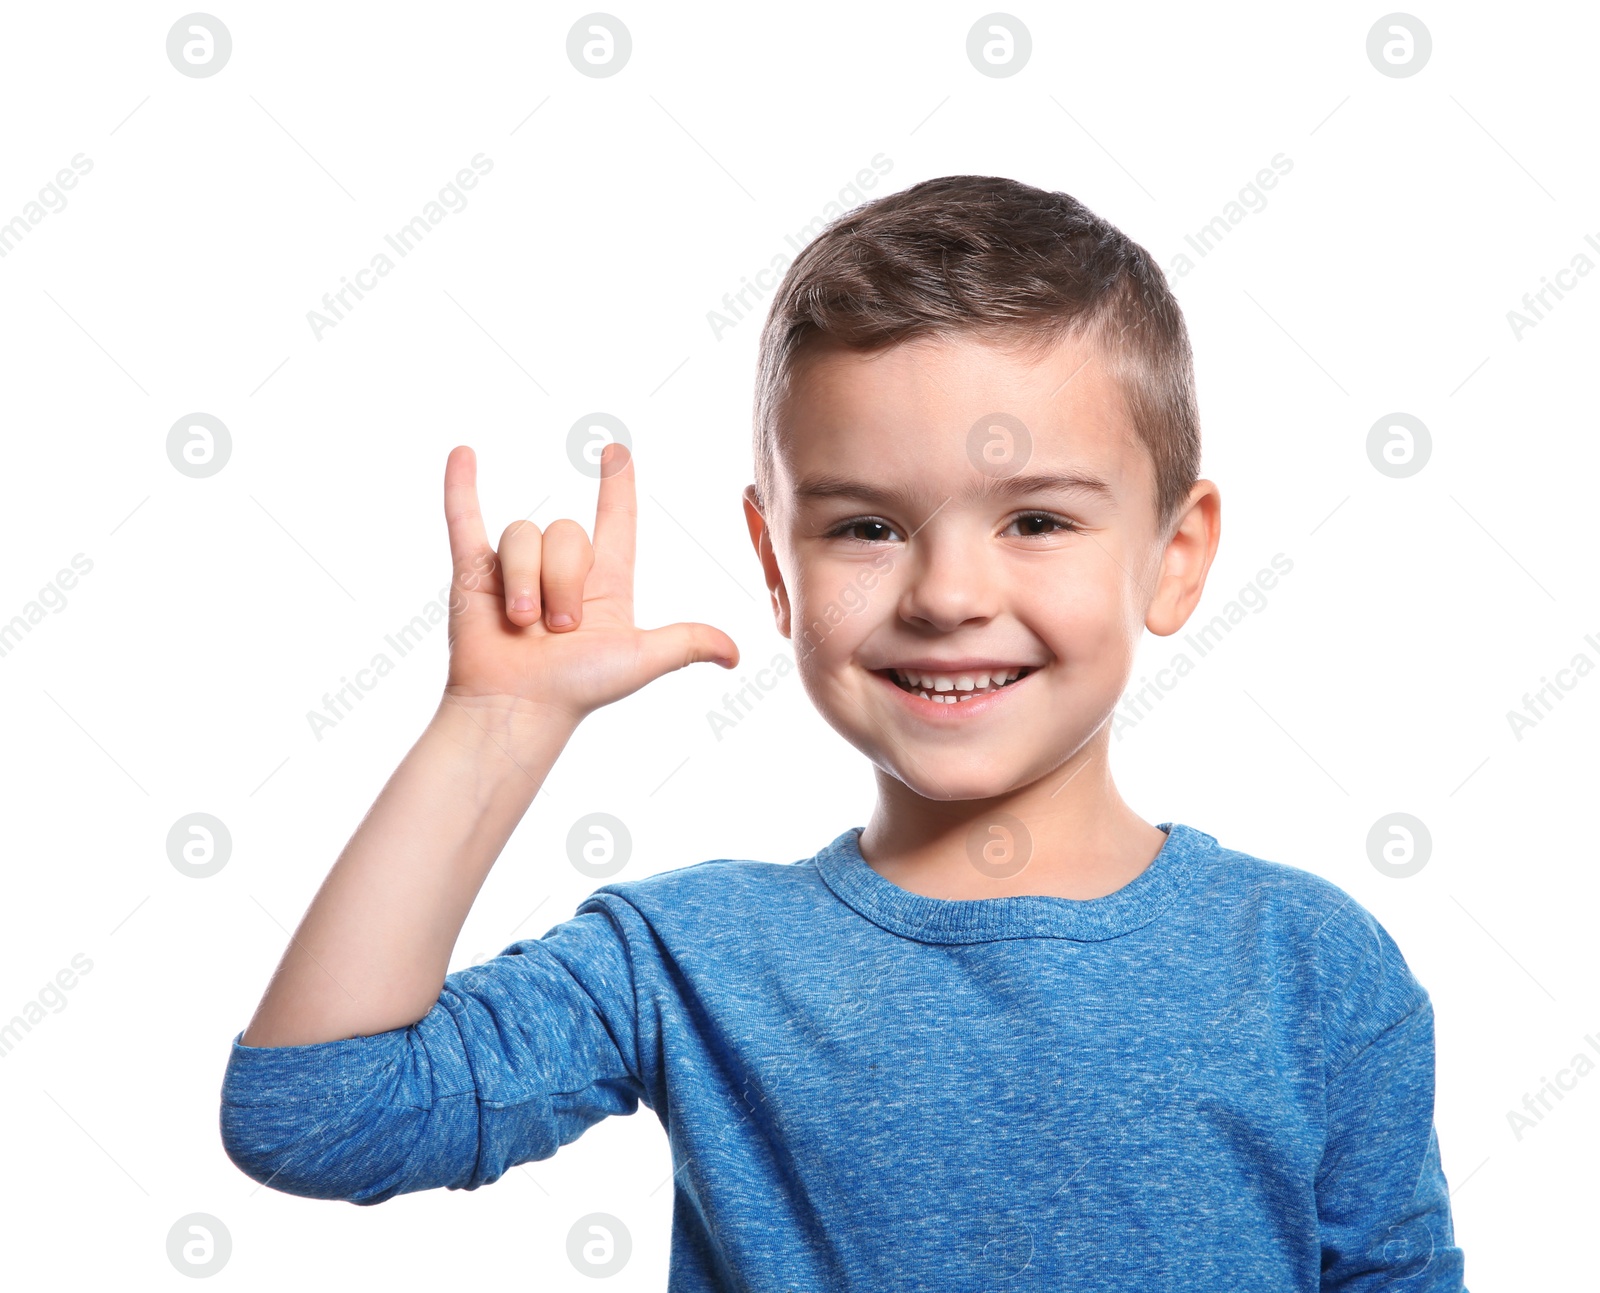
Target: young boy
1009, 1034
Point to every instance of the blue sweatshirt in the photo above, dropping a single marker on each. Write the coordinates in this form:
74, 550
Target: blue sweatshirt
1219, 1077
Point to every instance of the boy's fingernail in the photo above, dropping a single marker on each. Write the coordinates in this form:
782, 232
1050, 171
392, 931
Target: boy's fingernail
522, 604
560, 620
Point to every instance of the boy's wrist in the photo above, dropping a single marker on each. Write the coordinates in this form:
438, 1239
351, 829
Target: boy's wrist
505, 731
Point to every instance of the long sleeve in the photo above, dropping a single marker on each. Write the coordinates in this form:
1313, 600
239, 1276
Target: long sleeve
1382, 1200
518, 1057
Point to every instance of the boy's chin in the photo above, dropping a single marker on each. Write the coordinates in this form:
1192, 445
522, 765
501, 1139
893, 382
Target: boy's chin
948, 781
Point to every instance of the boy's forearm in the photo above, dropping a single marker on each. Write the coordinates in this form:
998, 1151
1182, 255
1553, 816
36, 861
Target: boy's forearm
372, 950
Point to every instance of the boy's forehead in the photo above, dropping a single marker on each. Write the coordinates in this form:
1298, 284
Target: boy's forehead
923, 404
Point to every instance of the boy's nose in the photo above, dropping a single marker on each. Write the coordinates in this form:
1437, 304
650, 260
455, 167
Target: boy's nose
949, 585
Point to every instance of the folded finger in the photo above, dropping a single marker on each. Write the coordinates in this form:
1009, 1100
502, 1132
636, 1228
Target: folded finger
564, 564
520, 557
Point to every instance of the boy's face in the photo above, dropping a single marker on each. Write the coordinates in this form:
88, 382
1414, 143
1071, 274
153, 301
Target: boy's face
913, 532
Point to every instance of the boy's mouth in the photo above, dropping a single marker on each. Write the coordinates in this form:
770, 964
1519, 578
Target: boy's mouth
954, 688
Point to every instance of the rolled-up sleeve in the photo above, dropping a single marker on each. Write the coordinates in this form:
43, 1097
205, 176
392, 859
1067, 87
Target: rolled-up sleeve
519, 1056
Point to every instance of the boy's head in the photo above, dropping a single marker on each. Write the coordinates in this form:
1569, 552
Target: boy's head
985, 256
977, 450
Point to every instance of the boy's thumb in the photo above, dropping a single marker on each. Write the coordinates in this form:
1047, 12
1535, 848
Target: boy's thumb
676, 645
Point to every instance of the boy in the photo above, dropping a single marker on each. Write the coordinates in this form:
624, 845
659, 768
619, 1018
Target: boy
1010, 1032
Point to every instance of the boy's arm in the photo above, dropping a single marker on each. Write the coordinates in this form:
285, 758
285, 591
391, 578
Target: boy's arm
541, 634
367, 1072
519, 1056
372, 950
1382, 1199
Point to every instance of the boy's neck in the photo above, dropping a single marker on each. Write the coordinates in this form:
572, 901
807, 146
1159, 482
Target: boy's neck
1068, 835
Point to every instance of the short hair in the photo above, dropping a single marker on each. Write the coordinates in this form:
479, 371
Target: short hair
989, 256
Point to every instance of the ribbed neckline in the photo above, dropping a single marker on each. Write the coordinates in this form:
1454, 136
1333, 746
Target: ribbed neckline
982, 920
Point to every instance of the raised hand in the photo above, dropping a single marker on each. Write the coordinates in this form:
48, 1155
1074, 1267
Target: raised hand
547, 621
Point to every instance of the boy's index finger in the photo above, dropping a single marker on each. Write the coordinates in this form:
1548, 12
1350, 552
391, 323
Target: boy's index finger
462, 516
616, 515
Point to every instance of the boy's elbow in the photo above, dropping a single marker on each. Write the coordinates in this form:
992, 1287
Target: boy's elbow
361, 1119
343, 1124
313, 1150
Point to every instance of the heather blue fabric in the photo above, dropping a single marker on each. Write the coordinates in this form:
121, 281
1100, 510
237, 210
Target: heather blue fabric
1219, 1077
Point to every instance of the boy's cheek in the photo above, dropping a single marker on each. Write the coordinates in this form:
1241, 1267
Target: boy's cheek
1097, 644
1076, 605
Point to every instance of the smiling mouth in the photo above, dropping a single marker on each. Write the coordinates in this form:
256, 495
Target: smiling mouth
953, 688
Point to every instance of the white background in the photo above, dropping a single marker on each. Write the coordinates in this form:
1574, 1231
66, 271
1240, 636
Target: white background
178, 675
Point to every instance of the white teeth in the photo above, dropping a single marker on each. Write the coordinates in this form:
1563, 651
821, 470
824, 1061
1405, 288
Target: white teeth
938, 687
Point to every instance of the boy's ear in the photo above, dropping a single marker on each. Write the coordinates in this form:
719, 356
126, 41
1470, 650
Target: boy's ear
1187, 557
761, 537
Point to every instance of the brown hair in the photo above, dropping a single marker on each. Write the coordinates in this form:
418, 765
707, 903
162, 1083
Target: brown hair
988, 255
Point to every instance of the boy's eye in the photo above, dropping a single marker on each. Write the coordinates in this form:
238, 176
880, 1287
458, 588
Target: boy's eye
1033, 524
865, 529
869, 529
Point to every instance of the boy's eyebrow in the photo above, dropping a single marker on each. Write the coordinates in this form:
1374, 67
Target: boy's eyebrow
828, 486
